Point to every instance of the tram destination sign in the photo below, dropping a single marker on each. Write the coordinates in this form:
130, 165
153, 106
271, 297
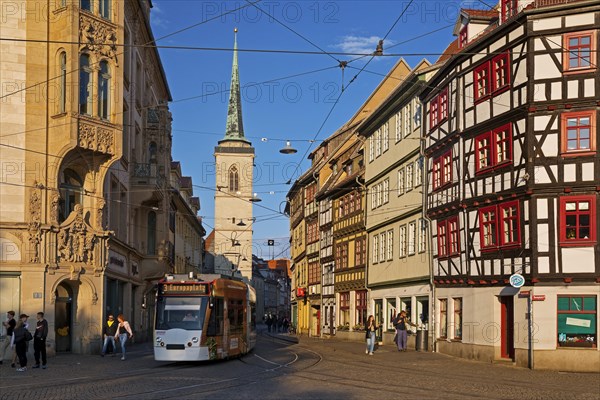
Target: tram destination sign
195, 288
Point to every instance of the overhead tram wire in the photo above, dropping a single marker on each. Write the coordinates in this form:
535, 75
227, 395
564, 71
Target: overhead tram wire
292, 30
340, 95
119, 45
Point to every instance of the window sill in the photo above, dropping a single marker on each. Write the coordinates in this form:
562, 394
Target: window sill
592, 347
567, 244
493, 249
571, 154
579, 71
60, 115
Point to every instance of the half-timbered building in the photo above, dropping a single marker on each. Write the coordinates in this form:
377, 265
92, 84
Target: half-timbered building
512, 187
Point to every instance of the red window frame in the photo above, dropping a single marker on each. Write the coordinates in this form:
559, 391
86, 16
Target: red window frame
571, 133
495, 147
509, 8
442, 170
345, 301
448, 238
438, 108
463, 36
443, 108
500, 68
573, 52
481, 79
500, 226
570, 234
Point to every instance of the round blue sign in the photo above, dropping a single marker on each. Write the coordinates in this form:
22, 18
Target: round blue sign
516, 280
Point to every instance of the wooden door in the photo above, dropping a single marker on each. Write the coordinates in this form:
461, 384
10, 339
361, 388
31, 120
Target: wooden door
507, 335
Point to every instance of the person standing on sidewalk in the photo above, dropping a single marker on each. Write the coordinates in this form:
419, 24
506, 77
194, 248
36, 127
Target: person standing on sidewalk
109, 330
39, 340
19, 342
123, 332
9, 325
22, 318
401, 322
370, 328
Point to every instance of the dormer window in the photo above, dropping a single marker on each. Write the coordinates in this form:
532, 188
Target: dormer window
463, 37
509, 8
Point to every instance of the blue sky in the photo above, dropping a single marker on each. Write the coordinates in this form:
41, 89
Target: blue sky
273, 108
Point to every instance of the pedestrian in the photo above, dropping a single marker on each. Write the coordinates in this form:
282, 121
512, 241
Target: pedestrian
400, 323
22, 318
269, 322
19, 341
39, 340
109, 332
9, 325
370, 329
124, 332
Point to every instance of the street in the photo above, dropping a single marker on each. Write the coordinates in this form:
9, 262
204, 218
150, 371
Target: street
280, 369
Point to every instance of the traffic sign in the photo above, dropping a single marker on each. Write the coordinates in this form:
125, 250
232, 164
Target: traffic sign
516, 280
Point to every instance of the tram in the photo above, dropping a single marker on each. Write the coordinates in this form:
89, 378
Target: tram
203, 317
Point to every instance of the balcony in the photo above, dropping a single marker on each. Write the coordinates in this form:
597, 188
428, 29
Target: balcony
97, 136
150, 176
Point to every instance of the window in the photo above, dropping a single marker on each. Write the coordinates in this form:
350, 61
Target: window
360, 256
448, 237
379, 195
345, 308
419, 171
62, 94
104, 90
402, 242
85, 85
71, 193
390, 244
509, 8
577, 321
234, 179
463, 37
457, 318
409, 177
578, 132
500, 72
412, 238
442, 170
443, 318
373, 197
151, 233
422, 235
382, 247
438, 108
578, 221
361, 307
492, 77
580, 46
407, 120
482, 81
378, 143
493, 149
386, 191
371, 149
105, 9
500, 225
400, 181
375, 249
417, 115
386, 136
85, 5
399, 126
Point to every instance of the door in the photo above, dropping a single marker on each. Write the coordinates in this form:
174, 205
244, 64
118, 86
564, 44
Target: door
63, 308
331, 321
507, 343
379, 319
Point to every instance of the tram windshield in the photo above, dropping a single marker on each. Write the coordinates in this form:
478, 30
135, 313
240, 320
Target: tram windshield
180, 312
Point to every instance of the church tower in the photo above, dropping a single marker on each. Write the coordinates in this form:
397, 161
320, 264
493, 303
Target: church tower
234, 166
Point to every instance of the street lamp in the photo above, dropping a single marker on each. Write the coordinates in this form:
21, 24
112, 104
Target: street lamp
288, 149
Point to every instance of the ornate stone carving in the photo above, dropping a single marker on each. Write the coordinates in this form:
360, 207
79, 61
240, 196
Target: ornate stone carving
54, 205
34, 226
96, 138
98, 36
75, 242
100, 215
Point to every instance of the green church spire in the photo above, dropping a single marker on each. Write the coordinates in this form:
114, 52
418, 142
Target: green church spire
235, 127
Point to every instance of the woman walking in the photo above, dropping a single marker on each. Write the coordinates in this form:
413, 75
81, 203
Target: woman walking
123, 333
370, 329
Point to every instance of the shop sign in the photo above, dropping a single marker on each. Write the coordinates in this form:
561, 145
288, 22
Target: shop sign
516, 280
300, 292
524, 293
116, 260
538, 297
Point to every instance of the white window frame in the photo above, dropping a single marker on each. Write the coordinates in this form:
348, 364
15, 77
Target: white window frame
386, 191
390, 245
407, 120
422, 235
398, 126
409, 177
378, 143
386, 136
412, 237
401, 181
375, 249
418, 173
402, 241
371, 149
382, 247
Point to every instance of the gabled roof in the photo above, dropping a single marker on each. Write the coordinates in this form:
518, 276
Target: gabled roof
451, 50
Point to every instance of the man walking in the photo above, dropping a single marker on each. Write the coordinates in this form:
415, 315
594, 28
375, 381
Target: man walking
109, 331
9, 325
39, 340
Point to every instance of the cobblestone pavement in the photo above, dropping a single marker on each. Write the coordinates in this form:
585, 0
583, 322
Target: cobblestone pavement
283, 369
